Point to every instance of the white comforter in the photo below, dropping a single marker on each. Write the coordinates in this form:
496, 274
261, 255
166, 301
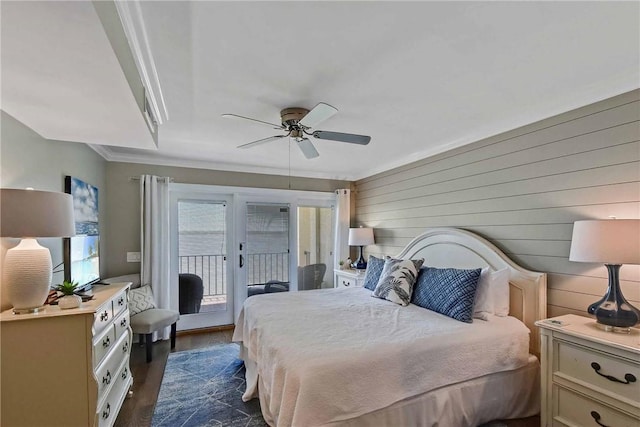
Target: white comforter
330, 355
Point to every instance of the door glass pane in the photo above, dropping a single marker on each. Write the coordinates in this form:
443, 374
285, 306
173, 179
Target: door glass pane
202, 250
315, 248
267, 247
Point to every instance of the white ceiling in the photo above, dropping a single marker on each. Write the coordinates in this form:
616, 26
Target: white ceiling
419, 77
61, 77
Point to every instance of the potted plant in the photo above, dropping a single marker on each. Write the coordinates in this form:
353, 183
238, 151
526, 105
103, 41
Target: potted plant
69, 299
341, 264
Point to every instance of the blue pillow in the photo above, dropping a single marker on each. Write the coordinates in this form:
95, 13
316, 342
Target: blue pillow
374, 270
448, 291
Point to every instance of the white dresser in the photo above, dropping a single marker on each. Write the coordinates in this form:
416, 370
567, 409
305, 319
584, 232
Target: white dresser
67, 367
348, 278
589, 377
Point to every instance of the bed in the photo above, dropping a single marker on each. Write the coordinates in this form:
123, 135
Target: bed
338, 357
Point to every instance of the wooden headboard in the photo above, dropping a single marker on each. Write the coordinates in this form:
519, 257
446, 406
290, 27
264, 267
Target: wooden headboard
455, 248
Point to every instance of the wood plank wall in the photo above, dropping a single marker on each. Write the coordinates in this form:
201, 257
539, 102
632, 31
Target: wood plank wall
523, 190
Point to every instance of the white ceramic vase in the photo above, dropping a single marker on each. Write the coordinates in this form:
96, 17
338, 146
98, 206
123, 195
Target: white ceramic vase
69, 301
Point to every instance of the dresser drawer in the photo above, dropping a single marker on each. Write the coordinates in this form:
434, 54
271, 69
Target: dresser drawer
120, 303
122, 324
102, 344
107, 372
577, 411
617, 377
109, 407
102, 317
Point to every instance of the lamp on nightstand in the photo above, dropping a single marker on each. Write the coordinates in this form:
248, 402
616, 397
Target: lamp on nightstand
613, 242
360, 237
28, 214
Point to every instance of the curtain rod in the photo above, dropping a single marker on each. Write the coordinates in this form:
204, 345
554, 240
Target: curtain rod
164, 178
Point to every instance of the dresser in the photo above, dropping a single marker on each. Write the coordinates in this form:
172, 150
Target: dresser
348, 278
589, 377
67, 367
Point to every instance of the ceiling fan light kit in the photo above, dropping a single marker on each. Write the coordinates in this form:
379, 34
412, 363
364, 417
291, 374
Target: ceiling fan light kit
298, 123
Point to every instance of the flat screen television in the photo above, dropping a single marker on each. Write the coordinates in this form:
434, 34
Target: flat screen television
82, 252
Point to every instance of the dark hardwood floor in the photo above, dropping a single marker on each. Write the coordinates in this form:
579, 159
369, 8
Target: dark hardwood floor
137, 410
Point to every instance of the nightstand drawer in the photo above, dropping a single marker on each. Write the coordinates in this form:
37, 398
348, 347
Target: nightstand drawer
345, 282
577, 411
605, 373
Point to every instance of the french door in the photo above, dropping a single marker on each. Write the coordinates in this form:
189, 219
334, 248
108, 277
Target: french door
245, 241
202, 274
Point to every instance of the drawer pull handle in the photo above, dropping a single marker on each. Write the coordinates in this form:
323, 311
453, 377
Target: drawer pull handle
120, 301
107, 379
628, 378
106, 342
104, 316
596, 418
107, 412
125, 373
125, 347
345, 283
123, 323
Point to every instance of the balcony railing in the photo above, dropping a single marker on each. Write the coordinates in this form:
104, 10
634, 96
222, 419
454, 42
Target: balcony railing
212, 269
267, 266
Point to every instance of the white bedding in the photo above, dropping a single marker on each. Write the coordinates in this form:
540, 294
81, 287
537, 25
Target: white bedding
331, 355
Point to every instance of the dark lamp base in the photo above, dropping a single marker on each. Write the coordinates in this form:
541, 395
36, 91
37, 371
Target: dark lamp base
613, 311
360, 263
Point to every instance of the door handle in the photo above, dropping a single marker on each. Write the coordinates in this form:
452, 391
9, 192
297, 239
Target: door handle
241, 261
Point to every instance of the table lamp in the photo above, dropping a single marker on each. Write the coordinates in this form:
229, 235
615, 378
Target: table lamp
27, 214
360, 237
613, 242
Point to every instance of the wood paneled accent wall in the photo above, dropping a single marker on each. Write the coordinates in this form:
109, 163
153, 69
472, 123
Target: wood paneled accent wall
522, 190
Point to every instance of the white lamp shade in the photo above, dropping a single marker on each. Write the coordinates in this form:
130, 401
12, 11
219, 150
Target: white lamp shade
361, 236
609, 241
28, 214
32, 213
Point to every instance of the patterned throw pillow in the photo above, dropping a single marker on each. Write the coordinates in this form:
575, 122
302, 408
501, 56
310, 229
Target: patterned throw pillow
397, 279
141, 299
374, 270
448, 291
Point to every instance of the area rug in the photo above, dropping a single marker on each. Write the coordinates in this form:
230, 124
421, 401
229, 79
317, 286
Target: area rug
204, 387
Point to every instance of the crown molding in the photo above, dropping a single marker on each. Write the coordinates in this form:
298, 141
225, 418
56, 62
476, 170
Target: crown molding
156, 159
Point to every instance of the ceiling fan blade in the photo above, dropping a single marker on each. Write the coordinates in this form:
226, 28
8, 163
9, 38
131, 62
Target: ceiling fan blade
261, 141
307, 148
235, 116
317, 115
342, 137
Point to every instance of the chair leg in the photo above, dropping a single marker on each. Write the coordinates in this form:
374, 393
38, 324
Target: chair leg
173, 335
149, 342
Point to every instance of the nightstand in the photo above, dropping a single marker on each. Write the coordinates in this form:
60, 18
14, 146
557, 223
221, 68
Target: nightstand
589, 376
348, 278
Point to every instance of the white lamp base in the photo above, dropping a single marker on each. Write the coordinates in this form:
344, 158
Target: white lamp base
27, 276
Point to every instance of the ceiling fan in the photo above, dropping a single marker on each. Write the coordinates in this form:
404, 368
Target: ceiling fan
298, 123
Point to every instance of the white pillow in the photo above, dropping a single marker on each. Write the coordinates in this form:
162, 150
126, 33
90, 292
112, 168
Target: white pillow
483, 307
500, 292
141, 299
492, 295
